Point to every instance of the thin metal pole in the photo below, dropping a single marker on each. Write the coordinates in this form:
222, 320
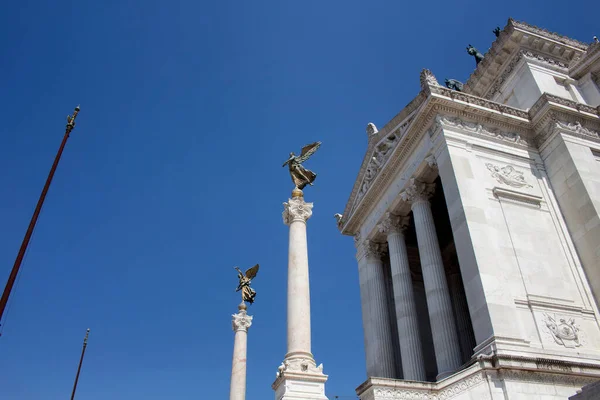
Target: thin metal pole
80, 362
15, 270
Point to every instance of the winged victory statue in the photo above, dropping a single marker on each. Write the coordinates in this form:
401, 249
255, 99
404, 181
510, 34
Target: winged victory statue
248, 294
300, 175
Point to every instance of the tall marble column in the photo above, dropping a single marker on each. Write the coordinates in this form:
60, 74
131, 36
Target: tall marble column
413, 364
241, 322
376, 320
463, 320
298, 377
443, 327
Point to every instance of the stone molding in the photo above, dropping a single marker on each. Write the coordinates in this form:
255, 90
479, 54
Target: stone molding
548, 34
522, 36
517, 197
481, 102
474, 116
417, 191
485, 369
299, 365
479, 129
296, 209
585, 60
546, 98
527, 55
241, 321
577, 129
393, 224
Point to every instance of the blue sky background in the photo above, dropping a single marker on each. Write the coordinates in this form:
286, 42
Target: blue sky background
173, 176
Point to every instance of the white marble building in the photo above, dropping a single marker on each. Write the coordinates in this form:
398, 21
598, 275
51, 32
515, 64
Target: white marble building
476, 217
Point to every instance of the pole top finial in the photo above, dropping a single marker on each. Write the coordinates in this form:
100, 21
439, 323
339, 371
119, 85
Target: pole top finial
242, 306
297, 193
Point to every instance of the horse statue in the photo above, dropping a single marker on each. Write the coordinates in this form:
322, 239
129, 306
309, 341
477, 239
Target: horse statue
475, 53
454, 85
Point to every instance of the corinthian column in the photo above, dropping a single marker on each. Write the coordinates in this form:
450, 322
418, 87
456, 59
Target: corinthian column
241, 322
376, 320
406, 311
445, 339
298, 376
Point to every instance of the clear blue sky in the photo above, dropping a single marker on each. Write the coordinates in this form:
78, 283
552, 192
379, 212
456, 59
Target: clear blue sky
173, 176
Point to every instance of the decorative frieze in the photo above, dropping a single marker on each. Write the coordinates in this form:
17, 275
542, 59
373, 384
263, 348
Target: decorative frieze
479, 101
508, 175
381, 154
479, 129
577, 129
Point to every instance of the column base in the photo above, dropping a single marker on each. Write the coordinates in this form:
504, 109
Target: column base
300, 379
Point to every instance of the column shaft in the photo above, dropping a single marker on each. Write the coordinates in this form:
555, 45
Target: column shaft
240, 324
298, 300
378, 335
369, 338
445, 339
406, 312
237, 390
463, 320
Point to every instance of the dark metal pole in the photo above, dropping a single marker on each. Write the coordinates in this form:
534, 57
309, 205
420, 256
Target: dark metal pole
80, 362
36, 213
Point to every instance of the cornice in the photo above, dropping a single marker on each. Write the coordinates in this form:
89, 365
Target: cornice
547, 34
511, 66
470, 115
581, 65
518, 40
376, 173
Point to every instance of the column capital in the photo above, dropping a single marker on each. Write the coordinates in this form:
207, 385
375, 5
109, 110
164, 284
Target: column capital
369, 248
417, 191
241, 321
296, 209
393, 224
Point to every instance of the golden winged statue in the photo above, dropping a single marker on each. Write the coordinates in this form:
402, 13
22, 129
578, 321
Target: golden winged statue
248, 294
300, 175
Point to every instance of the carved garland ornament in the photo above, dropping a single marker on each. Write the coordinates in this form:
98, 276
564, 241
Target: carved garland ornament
508, 175
296, 209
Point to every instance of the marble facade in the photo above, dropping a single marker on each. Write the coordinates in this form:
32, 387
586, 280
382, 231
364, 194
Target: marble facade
481, 210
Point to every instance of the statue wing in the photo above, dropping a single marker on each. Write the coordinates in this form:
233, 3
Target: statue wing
251, 272
308, 151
